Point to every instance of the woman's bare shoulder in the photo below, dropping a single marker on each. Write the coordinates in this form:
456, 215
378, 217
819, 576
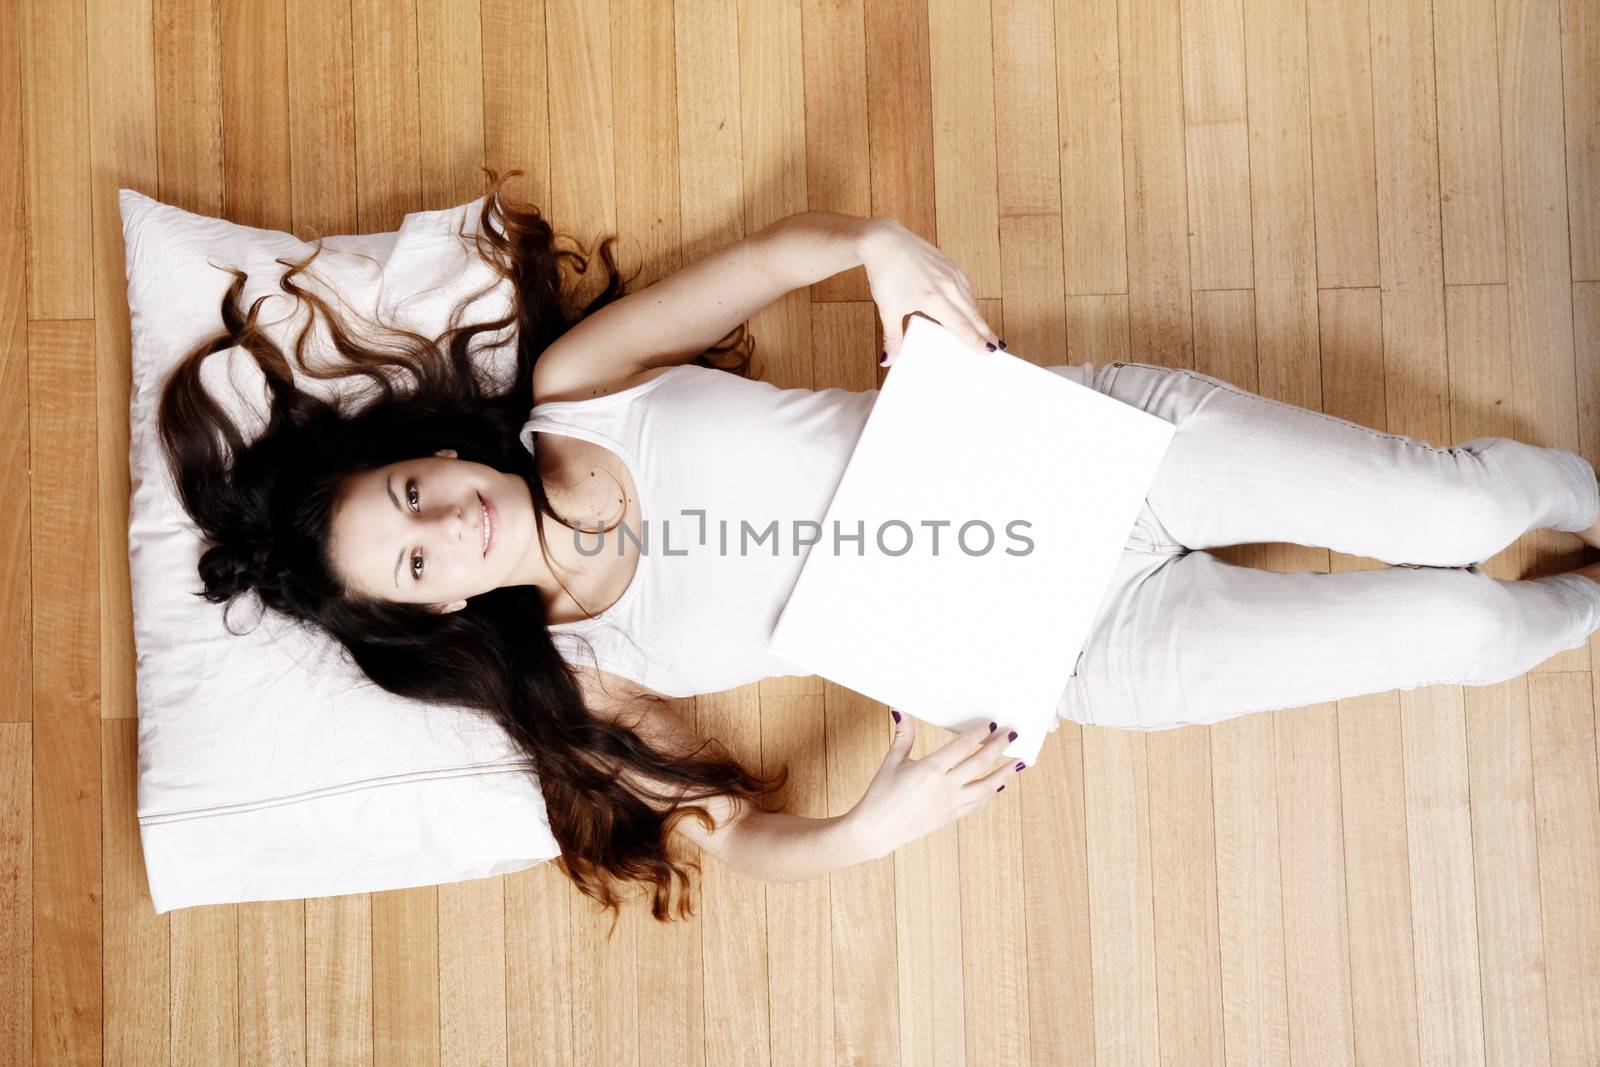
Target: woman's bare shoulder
557, 378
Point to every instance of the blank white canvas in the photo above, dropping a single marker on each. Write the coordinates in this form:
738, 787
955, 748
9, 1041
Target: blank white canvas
955, 636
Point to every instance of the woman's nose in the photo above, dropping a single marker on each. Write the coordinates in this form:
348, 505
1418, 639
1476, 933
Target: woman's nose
454, 522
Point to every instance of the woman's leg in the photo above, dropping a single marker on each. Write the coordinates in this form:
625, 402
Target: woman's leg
1196, 639
1245, 469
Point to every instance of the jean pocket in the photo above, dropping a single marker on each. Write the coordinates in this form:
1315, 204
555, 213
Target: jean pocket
1154, 543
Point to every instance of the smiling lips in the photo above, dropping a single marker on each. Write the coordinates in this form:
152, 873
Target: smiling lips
487, 526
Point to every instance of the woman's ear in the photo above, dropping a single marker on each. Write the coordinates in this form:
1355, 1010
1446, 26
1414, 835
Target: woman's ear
447, 452
453, 606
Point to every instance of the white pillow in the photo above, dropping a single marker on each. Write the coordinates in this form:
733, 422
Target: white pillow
270, 768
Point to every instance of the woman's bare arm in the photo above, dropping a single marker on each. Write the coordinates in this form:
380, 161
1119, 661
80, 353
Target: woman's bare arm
685, 313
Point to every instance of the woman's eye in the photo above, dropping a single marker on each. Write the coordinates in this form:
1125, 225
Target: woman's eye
416, 560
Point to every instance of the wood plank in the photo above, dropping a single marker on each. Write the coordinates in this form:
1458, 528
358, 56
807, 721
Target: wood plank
122, 116
1056, 876
1159, 323
1026, 140
1034, 326
1283, 210
1120, 917
16, 580
1383, 985
542, 969
322, 154
1255, 1007
1470, 191
1538, 250
189, 105
450, 103
825, 963
1217, 144
1580, 69
1506, 876
339, 1029
255, 114
1377, 885
272, 983
1225, 335
838, 158
900, 113
771, 101
407, 1000
645, 136
1183, 862
137, 989
16, 894
739, 1016
994, 926
472, 972
1028, 175
67, 873
1567, 806
930, 941
1339, 70
1097, 328
516, 119
205, 985
1408, 216
390, 112
710, 139
772, 105
53, 79
1089, 103
1444, 921
1311, 858
582, 194
961, 65
1586, 340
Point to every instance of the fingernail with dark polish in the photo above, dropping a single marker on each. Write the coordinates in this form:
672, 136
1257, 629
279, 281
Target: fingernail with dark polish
1013, 736
993, 728
1021, 766
896, 714
1002, 342
989, 346
1001, 787
883, 360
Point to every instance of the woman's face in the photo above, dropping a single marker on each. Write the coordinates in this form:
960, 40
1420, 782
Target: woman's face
414, 531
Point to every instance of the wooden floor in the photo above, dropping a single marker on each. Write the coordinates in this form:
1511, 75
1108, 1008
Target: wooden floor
1389, 211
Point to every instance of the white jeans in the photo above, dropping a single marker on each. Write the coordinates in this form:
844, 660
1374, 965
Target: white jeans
1182, 637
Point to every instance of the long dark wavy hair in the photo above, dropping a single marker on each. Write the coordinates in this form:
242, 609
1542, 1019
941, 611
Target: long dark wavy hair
266, 509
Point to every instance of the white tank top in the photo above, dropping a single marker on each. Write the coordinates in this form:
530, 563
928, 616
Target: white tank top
724, 468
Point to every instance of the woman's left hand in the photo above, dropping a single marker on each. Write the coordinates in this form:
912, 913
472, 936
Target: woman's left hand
907, 275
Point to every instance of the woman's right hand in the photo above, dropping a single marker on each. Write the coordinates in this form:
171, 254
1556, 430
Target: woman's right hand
911, 798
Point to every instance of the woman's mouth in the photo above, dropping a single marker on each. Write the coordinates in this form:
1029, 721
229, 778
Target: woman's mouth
486, 510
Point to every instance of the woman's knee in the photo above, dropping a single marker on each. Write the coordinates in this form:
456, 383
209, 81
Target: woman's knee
1484, 624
